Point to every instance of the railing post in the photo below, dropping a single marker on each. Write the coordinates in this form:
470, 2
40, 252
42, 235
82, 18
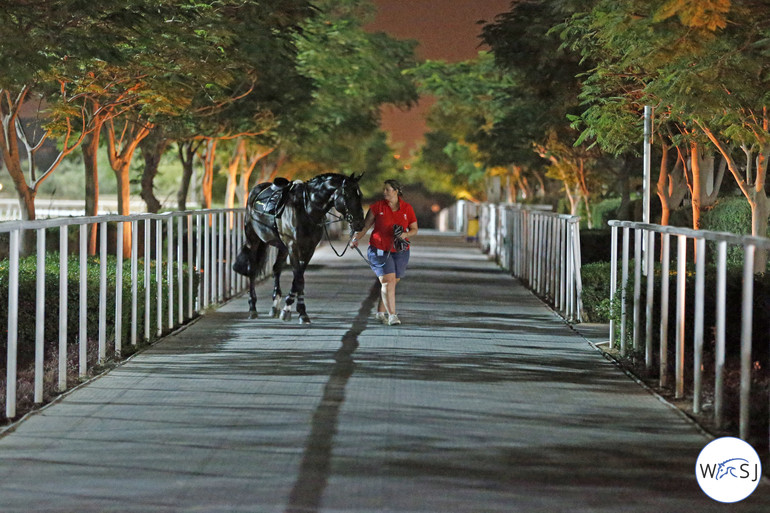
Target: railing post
650, 264
623, 293
190, 267
39, 315
220, 258
637, 287
198, 259
180, 269
170, 270
613, 280
563, 252
206, 260
62, 308
570, 274
681, 276
578, 281
119, 292
102, 291
746, 321
700, 271
719, 357
147, 279
13, 325
134, 285
664, 298
159, 275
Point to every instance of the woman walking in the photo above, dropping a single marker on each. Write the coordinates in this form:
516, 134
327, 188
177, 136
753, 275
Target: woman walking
393, 220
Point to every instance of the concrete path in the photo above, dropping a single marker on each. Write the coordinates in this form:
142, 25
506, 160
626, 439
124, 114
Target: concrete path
482, 401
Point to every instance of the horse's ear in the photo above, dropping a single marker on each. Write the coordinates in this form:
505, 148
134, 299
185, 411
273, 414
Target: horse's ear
356, 178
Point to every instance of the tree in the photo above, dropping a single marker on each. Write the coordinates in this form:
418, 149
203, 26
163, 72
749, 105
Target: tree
471, 97
703, 64
354, 73
544, 96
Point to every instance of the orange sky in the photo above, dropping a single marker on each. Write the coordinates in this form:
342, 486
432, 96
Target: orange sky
446, 30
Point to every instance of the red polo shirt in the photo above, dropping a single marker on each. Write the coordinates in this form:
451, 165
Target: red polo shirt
385, 218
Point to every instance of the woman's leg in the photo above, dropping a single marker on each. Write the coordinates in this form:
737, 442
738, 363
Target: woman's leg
388, 293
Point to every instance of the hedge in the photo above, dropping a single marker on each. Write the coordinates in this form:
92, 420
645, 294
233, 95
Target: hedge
27, 299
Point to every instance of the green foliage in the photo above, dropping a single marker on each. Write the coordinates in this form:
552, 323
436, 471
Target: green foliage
596, 292
731, 215
471, 96
27, 302
355, 73
728, 215
605, 211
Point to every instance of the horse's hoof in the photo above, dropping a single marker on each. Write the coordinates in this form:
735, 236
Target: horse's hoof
253, 314
274, 312
285, 315
304, 319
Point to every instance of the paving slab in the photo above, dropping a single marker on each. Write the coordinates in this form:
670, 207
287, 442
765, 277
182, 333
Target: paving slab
483, 400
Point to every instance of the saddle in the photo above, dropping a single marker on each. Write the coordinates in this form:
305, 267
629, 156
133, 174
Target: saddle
271, 201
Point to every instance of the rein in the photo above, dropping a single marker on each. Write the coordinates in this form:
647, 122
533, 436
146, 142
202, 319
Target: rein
347, 245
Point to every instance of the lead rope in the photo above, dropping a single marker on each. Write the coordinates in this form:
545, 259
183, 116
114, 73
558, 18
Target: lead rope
346, 245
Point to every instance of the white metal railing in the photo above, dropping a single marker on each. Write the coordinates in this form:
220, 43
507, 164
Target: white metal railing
540, 248
645, 235
456, 217
206, 241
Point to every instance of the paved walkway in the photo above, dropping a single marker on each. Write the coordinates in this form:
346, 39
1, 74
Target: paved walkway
482, 401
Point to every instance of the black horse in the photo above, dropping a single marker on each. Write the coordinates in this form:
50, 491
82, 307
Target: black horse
295, 228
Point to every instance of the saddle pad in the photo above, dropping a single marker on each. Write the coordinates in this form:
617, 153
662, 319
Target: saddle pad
270, 202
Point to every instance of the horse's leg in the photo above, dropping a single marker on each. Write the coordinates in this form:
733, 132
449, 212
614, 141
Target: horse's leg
299, 285
298, 291
252, 297
277, 268
256, 261
297, 288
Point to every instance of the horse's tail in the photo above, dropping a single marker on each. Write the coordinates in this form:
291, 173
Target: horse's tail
253, 254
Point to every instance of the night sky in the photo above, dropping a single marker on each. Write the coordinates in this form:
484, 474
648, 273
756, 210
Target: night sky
446, 30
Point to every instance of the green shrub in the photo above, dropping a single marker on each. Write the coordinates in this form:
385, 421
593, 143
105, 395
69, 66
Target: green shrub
596, 303
728, 215
605, 211
27, 301
596, 291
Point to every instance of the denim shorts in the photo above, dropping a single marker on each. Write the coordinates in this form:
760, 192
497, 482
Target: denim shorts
383, 262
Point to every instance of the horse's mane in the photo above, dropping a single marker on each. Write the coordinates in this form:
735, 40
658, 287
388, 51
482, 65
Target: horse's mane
323, 177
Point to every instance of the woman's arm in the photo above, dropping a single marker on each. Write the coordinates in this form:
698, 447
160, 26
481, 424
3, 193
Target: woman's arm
411, 231
368, 223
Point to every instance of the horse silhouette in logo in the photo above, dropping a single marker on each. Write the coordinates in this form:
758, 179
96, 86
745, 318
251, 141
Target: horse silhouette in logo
728, 468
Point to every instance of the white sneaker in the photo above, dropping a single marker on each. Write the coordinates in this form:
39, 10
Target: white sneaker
393, 320
382, 317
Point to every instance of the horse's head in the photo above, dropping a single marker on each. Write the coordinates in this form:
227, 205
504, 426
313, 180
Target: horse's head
347, 201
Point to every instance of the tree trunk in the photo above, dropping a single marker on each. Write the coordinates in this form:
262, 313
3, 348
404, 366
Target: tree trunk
121, 153
671, 187
662, 187
153, 147
754, 193
208, 172
11, 134
91, 167
239, 154
186, 151
624, 210
696, 186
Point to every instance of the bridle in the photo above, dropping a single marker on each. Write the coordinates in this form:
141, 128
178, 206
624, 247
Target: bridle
347, 217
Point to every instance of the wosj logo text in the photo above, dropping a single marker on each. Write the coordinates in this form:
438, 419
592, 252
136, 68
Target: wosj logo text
738, 468
728, 469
